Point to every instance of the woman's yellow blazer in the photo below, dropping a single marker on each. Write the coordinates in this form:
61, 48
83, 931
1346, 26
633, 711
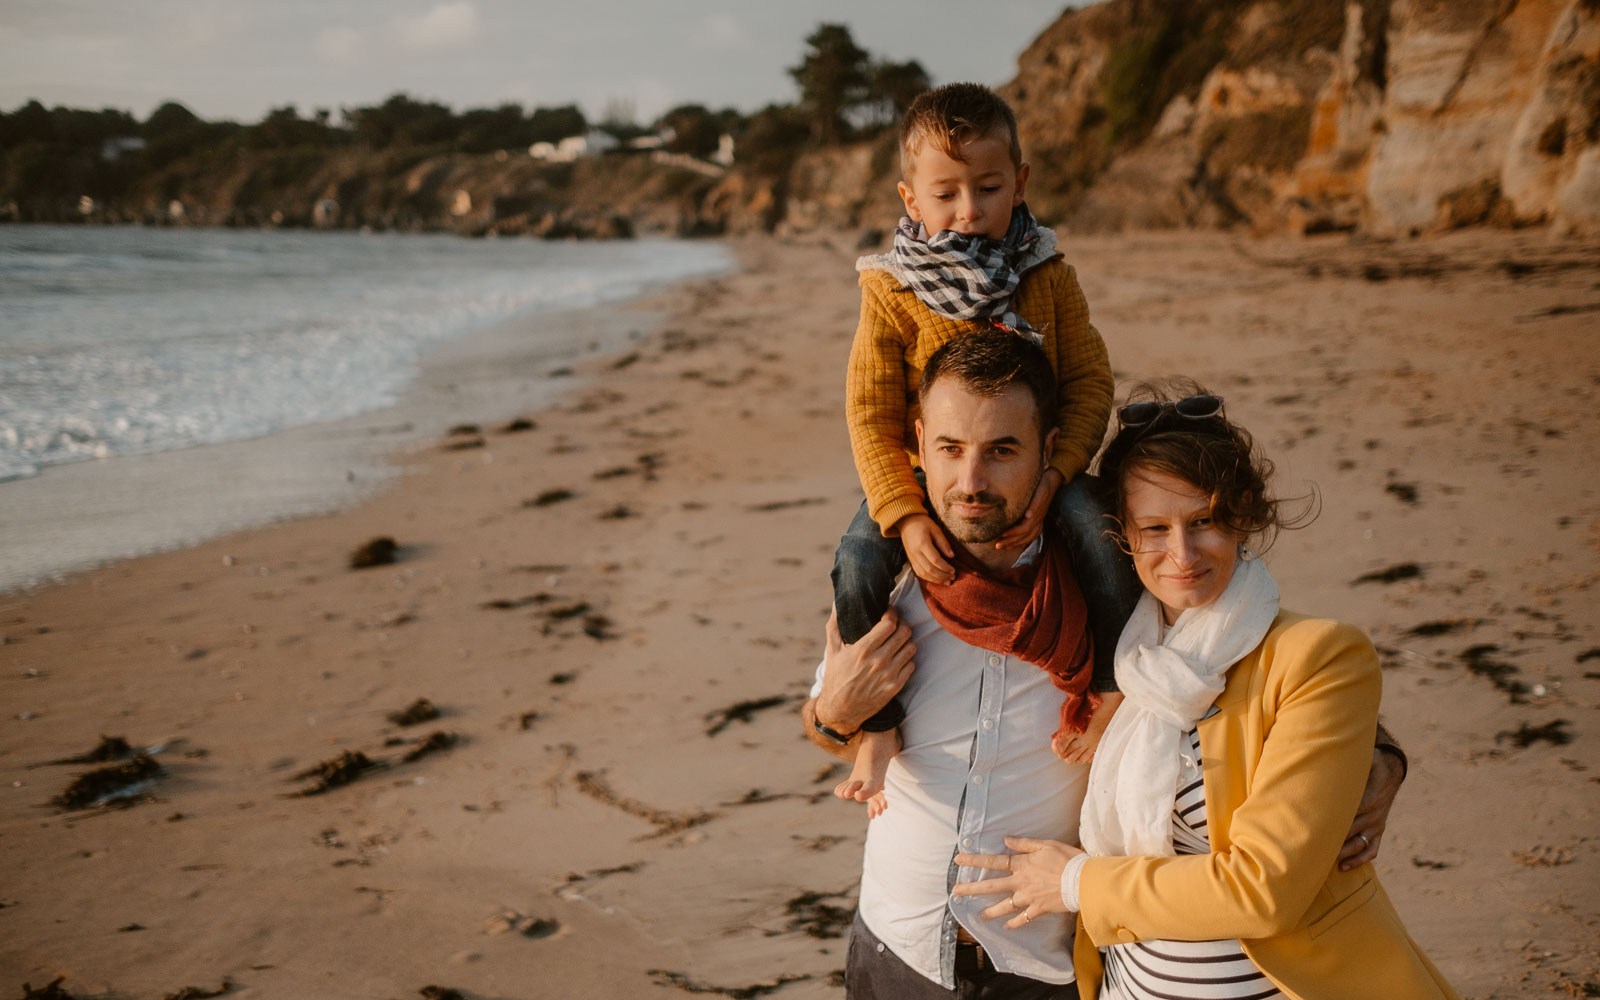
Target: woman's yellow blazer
1285, 758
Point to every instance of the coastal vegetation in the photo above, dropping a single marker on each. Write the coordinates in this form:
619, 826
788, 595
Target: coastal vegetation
413, 163
1275, 117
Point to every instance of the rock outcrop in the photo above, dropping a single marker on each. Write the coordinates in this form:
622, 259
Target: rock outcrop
1387, 116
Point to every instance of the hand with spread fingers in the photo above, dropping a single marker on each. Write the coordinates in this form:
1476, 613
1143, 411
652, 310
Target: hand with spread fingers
1032, 886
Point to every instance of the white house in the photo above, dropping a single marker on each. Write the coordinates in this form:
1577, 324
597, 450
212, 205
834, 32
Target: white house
574, 147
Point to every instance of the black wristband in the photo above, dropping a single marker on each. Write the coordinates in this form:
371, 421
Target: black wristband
1399, 754
831, 734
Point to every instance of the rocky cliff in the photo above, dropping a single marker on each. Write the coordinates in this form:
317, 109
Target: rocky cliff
1380, 116
1385, 116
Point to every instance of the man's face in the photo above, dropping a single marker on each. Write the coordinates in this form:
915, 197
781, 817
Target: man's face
973, 196
983, 457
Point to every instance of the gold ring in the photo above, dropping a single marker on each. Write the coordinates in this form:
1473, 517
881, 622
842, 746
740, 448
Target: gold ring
1364, 839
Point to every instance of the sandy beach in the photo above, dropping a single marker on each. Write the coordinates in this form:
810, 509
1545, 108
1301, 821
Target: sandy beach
616, 610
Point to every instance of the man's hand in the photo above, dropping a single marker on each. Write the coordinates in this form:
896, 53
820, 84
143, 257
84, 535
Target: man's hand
860, 678
1022, 534
1383, 783
926, 548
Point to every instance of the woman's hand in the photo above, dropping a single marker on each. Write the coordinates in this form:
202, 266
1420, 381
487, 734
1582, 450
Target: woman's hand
1033, 886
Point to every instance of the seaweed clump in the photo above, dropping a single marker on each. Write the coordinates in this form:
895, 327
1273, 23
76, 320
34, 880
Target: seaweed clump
109, 783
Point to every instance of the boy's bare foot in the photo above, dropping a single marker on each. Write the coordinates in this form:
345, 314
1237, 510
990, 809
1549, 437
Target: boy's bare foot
865, 783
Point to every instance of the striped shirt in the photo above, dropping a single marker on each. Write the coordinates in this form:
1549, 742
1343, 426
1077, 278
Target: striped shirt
1185, 970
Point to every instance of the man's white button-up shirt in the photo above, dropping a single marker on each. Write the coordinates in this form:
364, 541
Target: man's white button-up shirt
976, 767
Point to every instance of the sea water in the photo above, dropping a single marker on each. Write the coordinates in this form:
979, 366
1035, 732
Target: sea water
116, 341
162, 386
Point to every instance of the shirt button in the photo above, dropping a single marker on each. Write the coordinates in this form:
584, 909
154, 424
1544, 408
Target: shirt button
977, 779
966, 841
880, 947
994, 661
988, 723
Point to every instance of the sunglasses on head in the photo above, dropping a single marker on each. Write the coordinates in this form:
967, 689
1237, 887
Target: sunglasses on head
1142, 414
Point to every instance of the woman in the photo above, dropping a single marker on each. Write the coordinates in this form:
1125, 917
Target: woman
1224, 785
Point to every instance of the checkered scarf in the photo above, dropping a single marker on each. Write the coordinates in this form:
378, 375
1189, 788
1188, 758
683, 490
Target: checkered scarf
966, 277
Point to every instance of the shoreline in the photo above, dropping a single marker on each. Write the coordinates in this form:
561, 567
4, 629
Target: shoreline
156, 502
630, 805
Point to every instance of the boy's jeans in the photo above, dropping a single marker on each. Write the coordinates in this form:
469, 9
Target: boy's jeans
867, 563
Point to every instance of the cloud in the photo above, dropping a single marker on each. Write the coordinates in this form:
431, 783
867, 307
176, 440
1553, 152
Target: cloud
722, 31
446, 25
339, 45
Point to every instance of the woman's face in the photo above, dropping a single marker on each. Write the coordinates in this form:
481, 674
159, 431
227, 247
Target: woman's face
1182, 556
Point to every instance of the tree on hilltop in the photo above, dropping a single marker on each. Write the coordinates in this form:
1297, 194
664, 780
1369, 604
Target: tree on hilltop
893, 86
834, 77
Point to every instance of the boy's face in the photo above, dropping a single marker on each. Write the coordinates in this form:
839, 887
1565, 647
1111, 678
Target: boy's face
972, 197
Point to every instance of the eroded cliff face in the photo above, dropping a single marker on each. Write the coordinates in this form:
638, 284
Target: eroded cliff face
1385, 116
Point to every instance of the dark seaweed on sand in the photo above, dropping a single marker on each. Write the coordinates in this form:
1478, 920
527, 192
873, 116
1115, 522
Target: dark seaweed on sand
196, 993
680, 980
440, 993
549, 497
1480, 661
1406, 492
1524, 736
421, 710
107, 782
518, 425
1441, 627
567, 611
1392, 574
513, 603
808, 912
462, 429
53, 991
379, 551
743, 711
439, 740
335, 771
598, 627
786, 504
465, 444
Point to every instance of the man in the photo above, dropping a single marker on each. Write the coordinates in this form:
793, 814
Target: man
976, 763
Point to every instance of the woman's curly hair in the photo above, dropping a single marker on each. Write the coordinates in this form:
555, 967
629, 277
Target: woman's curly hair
1213, 454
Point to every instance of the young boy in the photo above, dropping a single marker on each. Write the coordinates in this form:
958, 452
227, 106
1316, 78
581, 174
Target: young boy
968, 256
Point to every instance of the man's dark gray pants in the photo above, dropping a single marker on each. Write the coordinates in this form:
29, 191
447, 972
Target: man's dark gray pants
873, 972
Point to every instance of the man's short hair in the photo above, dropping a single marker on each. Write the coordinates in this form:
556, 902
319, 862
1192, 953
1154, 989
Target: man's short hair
988, 363
951, 116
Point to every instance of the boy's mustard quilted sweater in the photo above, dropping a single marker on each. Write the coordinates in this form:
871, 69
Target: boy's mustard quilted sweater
898, 334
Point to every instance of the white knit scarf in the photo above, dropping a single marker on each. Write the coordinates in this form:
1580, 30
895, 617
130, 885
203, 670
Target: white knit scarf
1167, 687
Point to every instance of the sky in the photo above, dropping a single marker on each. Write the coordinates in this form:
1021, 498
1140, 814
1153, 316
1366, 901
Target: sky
237, 59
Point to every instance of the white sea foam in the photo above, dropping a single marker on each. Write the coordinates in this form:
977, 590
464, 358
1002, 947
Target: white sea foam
123, 341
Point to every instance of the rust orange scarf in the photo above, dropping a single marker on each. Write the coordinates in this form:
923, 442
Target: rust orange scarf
1034, 612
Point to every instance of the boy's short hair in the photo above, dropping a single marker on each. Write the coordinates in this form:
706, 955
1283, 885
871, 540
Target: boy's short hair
989, 362
951, 116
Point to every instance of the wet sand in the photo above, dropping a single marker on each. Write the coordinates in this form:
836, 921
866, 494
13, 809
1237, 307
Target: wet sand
616, 611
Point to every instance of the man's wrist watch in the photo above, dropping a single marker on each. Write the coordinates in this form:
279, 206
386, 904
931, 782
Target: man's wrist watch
833, 735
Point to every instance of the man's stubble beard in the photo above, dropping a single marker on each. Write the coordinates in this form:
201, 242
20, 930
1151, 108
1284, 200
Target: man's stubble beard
989, 527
